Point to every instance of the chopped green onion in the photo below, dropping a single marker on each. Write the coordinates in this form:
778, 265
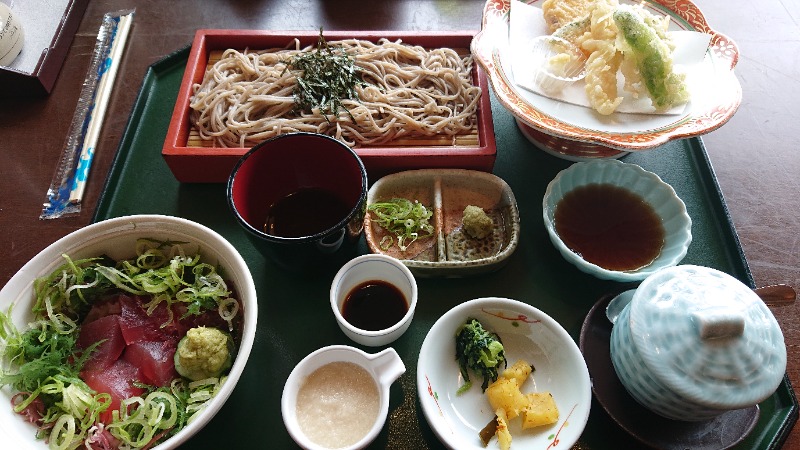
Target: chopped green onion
407, 220
161, 270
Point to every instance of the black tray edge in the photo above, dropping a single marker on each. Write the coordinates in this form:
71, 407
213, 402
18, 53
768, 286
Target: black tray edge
721, 207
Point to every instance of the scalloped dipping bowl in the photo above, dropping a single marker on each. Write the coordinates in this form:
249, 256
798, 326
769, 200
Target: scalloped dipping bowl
117, 238
647, 185
527, 333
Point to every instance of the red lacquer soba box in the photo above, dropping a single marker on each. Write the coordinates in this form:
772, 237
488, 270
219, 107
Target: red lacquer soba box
194, 160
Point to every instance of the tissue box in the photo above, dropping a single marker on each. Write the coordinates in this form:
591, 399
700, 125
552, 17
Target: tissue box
191, 162
49, 28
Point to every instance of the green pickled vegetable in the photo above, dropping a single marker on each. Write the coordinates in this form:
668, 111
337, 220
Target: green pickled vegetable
653, 59
479, 350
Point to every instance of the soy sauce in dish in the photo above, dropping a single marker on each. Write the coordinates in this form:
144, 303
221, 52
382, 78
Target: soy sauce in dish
374, 305
305, 212
610, 226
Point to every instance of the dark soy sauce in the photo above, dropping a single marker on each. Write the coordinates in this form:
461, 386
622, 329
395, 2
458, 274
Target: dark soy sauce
305, 212
610, 226
374, 305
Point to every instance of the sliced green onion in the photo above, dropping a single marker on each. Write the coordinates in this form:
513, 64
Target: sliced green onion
228, 308
63, 434
202, 391
407, 220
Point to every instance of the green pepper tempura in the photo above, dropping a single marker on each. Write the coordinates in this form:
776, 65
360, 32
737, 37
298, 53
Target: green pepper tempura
652, 56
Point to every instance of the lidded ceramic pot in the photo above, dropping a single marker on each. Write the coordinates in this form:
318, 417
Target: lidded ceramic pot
695, 342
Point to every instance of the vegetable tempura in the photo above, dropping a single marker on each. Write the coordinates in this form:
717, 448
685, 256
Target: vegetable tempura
619, 39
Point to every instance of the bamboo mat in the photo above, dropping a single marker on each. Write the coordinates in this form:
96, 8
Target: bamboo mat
469, 139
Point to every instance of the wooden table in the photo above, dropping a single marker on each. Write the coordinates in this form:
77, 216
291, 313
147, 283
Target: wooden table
753, 155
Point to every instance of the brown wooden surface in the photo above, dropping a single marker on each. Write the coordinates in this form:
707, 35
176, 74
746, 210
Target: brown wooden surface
755, 155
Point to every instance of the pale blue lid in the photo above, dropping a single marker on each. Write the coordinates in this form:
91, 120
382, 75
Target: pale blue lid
707, 336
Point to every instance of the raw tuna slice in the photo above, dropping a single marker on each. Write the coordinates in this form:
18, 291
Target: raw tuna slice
105, 307
104, 329
116, 381
137, 325
155, 359
209, 318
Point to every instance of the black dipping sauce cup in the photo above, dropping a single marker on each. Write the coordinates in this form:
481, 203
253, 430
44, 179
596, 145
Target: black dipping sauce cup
301, 198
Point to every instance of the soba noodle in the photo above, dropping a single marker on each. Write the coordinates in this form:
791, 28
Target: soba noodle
246, 97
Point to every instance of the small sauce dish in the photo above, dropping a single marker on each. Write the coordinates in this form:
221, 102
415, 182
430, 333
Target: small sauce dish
613, 200
373, 297
328, 385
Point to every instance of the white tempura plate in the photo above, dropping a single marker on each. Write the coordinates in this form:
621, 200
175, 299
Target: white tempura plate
709, 108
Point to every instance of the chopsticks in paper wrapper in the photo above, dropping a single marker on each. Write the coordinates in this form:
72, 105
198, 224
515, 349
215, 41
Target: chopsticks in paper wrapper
66, 191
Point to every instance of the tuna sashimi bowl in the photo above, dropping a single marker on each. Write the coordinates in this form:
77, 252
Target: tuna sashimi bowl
126, 334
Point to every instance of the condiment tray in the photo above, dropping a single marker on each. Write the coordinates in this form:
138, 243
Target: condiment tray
450, 252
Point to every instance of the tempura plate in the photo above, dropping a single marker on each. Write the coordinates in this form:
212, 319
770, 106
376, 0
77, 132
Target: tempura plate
591, 133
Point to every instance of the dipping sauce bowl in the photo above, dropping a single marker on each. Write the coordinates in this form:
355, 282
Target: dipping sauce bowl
300, 197
329, 384
373, 298
600, 206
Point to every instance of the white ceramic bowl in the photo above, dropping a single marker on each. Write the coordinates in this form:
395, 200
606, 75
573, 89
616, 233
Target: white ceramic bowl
367, 268
384, 367
116, 238
649, 186
696, 342
527, 333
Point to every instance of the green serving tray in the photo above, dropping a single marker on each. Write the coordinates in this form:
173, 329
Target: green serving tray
295, 316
